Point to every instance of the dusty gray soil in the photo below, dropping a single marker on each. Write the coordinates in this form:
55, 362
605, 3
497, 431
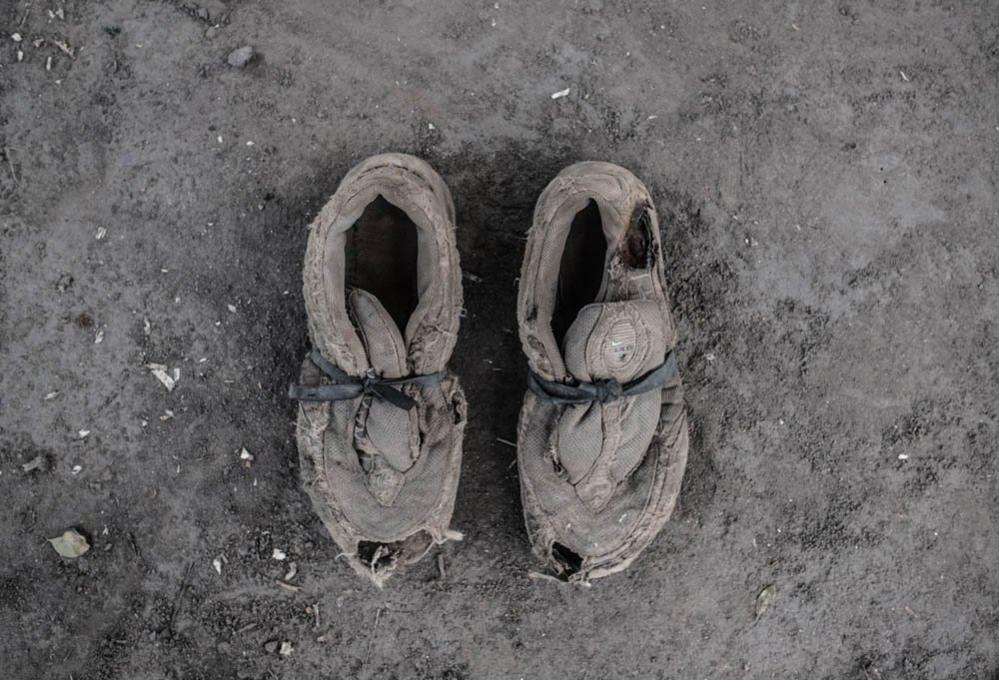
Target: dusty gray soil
827, 177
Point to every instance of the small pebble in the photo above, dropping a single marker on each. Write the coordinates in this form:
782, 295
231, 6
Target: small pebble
240, 57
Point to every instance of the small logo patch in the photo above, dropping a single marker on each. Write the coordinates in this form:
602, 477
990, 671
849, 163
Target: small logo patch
619, 345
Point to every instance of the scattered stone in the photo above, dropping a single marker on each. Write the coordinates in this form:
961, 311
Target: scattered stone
271, 646
279, 555
286, 648
160, 371
240, 56
36, 463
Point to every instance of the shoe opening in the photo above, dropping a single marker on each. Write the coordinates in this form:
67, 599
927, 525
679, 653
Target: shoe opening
565, 561
381, 255
581, 270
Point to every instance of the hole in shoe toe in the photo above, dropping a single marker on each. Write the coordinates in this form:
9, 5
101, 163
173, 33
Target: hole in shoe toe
381, 556
567, 561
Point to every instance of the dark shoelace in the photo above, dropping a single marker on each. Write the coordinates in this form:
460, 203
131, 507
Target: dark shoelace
346, 386
602, 391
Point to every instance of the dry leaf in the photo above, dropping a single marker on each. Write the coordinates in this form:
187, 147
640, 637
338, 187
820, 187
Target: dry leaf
71, 544
765, 598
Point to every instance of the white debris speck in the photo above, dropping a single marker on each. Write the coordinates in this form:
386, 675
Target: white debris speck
99, 338
279, 555
286, 648
160, 371
292, 570
101, 233
249, 143
903, 456
217, 564
561, 93
77, 469
51, 395
16, 37
904, 77
167, 415
83, 433
146, 326
431, 126
48, 64
220, 139
246, 455
20, 55
709, 356
231, 308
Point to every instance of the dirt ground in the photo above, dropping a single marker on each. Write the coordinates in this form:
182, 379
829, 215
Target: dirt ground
826, 175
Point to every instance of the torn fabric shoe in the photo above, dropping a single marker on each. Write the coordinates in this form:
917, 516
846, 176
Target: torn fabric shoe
602, 439
381, 418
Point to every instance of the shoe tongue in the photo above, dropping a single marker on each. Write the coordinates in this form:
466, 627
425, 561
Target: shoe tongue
615, 340
382, 339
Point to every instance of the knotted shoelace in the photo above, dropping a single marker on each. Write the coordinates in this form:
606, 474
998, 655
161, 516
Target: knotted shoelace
347, 387
602, 391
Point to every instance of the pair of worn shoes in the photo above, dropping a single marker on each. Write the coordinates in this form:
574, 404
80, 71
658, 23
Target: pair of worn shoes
602, 439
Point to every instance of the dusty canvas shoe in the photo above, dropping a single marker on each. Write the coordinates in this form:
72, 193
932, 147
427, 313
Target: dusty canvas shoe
602, 440
381, 418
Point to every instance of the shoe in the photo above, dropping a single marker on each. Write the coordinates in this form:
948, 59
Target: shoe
602, 439
381, 418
